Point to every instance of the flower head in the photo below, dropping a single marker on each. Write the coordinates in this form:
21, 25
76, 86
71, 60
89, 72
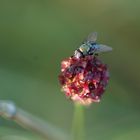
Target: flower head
84, 79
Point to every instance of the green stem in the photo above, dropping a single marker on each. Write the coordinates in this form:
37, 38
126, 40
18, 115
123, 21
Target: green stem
10, 111
78, 132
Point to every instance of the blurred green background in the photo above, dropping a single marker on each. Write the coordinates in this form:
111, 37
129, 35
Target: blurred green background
36, 35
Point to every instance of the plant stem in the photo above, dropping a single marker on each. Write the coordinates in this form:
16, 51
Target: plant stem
78, 132
10, 111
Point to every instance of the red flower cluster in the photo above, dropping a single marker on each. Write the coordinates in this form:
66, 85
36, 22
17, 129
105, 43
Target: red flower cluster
83, 79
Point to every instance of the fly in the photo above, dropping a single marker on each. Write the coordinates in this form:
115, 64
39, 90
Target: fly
90, 47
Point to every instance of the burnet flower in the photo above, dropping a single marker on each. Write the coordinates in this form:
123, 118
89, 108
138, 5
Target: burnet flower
83, 76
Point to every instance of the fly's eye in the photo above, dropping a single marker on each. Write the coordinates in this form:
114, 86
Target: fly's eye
78, 54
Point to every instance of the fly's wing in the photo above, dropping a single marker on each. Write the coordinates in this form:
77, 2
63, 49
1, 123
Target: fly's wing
92, 37
102, 48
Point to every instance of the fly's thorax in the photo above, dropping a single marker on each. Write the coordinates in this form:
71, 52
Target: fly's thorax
84, 48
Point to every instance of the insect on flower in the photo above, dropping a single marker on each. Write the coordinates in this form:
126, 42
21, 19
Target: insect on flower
90, 47
84, 76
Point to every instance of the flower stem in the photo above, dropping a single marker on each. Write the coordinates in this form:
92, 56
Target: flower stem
10, 111
78, 132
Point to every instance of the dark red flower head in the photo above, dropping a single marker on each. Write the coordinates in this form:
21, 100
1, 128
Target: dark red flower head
83, 79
